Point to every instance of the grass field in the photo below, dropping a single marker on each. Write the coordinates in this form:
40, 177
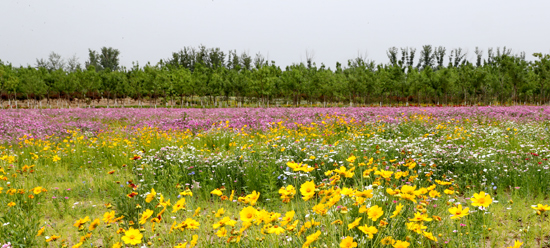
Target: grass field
302, 177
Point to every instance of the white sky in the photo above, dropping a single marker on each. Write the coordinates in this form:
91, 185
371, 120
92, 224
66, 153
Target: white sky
283, 30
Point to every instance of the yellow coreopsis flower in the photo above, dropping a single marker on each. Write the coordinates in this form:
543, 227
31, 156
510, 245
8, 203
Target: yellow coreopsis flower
194, 241
517, 244
348, 243
320, 209
481, 200
383, 173
132, 236
308, 190
541, 208
434, 194
429, 236
180, 204
392, 192
222, 232
37, 190
276, 230
226, 221
41, 231
311, 238
53, 238
397, 210
81, 222
145, 215
401, 244
354, 223
248, 214
368, 230
217, 192
375, 212
458, 212
419, 217
150, 196
288, 218
93, 225
220, 212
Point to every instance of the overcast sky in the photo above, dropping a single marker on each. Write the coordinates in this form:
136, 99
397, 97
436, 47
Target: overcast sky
282, 30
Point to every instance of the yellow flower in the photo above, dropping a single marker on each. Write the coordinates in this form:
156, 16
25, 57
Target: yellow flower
194, 241
276, 230
220, 212
541, 208
311, 238
232, 195
41, 231
375, 212
392, 192
180, 204
53, 238
132, 236
337, 222
434, 194
180, 245
368, 230
448, 191
226, 221
11, 204
429, 236
418, 228
81, 222
77, 245
288, 218
481, 200
401, 244
320, 209
56, 158
197, 211
387, 241
248, 214
222, 232
151, 195
458, 212
254, 197
517, 244
191, 224
420, 217
145, 215
365, 193
397, 210
348, 243
384, 173
108, 217
117, 245
37, 190
308, 190
217, 192
354, 223
290, 228
94, 225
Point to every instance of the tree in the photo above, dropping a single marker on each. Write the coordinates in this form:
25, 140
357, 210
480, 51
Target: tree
426, 57
93, 60
73, 64
109, 58
541, 68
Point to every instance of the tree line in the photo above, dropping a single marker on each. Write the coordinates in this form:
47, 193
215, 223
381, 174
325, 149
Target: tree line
194, 76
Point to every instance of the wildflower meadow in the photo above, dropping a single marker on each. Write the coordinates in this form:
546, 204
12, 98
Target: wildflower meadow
391, 177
